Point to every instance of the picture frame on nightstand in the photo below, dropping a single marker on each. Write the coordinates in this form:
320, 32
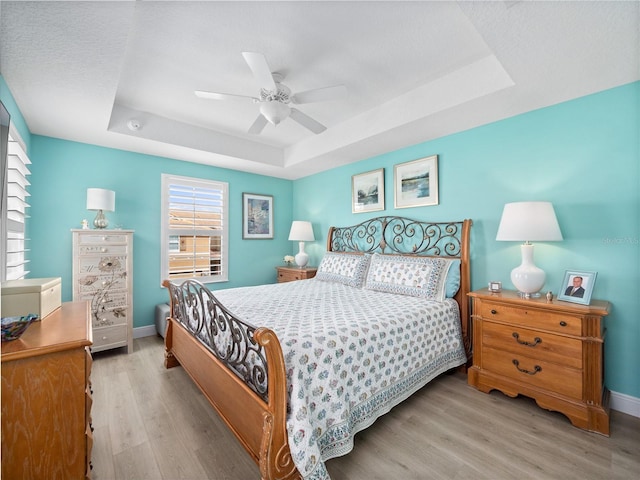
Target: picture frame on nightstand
577, 287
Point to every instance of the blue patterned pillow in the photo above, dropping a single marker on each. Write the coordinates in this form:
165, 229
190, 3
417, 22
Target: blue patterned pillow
415, 276
347, 268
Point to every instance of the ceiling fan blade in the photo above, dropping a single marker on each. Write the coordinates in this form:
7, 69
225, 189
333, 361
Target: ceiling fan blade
260, 68
258, 125
222, 96
336, 92
306, 121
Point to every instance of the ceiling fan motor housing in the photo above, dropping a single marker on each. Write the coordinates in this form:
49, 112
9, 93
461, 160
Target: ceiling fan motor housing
282, 94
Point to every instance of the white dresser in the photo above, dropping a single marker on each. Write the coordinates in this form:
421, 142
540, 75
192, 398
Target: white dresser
103, 275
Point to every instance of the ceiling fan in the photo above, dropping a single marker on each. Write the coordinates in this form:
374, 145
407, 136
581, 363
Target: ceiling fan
275, 97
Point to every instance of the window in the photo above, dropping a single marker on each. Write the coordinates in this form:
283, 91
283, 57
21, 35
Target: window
14, 208
194, 229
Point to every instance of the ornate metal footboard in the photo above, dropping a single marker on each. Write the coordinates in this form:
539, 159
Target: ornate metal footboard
238, 367
230, 339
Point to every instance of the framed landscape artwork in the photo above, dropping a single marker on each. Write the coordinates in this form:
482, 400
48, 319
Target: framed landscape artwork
257, 216
367, 191
416, 183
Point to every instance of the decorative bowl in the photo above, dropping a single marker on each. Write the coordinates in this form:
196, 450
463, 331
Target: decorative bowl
13, 327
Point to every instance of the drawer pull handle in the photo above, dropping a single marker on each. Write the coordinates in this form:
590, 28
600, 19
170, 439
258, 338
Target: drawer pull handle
493, 312
536, 368
563, 323
536, 340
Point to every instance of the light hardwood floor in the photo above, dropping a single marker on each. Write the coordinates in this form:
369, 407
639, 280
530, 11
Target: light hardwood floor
151, 423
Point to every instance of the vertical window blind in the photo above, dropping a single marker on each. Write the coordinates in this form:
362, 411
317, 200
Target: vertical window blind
194, 229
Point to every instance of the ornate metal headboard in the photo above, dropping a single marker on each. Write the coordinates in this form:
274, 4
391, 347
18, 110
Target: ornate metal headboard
399, 235
405, 236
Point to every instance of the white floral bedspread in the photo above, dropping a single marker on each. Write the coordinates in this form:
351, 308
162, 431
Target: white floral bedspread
351, 355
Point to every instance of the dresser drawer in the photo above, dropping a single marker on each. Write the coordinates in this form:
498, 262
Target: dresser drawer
531, 317
537, 345
108, 336
109, 318
102, 250
101, 238
535, 372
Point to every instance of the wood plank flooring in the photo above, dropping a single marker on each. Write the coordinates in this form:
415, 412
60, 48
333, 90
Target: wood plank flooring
152, 423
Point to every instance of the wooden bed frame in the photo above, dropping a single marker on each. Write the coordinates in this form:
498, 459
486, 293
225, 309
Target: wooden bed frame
253, 402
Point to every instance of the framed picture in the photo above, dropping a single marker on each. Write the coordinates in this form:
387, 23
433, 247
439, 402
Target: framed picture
577, 287
416, 183
367, 191
257, 216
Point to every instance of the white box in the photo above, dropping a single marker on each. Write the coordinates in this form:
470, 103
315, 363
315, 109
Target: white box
39, 296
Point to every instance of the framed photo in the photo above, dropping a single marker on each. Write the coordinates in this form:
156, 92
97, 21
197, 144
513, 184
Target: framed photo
367, 191
416, 183
577, 287
257, 216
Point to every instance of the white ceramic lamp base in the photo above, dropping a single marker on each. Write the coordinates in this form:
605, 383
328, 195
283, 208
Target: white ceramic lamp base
527, 278
301, 257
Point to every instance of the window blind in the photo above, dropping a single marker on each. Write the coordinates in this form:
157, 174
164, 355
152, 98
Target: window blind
14, 216
195, 231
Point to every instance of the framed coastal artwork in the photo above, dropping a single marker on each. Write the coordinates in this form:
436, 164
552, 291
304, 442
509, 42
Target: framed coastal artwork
416, 183
257, 216
367, 191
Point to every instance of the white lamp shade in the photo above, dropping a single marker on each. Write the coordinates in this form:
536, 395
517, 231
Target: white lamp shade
274, 111
101, 199
529, 221
301, 231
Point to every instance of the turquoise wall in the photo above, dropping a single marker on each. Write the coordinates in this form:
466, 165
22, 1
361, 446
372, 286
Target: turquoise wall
62, 171
582, 155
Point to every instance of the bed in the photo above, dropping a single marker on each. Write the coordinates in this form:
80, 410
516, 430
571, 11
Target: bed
296, 369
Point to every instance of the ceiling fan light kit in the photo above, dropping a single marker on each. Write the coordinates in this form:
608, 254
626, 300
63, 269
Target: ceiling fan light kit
275, 97
274, 111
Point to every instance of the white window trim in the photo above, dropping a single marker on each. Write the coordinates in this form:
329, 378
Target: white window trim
166, 232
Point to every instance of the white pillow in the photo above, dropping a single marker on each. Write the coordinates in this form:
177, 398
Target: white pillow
347, 268
408, 275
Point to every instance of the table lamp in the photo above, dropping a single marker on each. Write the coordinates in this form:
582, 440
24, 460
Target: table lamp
528, 221
301, 232
103, 201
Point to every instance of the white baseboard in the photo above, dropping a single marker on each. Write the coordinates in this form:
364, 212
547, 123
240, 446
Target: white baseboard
146, 331
625, 404
619, 401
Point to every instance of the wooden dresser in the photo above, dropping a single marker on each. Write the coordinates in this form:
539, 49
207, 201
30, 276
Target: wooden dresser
549, 351
103, 275
46, 398
290, 274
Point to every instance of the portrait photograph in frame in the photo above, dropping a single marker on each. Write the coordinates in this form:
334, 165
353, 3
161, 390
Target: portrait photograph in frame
257, 216
367, 191
577, 286
416, 183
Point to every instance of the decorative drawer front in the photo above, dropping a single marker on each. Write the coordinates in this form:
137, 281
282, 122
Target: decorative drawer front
102, 250
543, 346
116, 334
101, 238
108, 265
91, 285
107, 300
108, 318
537, 319
535, 372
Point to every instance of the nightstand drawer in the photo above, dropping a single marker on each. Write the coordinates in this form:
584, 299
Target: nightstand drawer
535, 372
531, 317
534, 344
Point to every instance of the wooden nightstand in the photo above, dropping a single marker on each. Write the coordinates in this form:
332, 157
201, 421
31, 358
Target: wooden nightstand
289, 274
552, 352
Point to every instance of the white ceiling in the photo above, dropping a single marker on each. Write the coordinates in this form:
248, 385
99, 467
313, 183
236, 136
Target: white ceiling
414, 70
